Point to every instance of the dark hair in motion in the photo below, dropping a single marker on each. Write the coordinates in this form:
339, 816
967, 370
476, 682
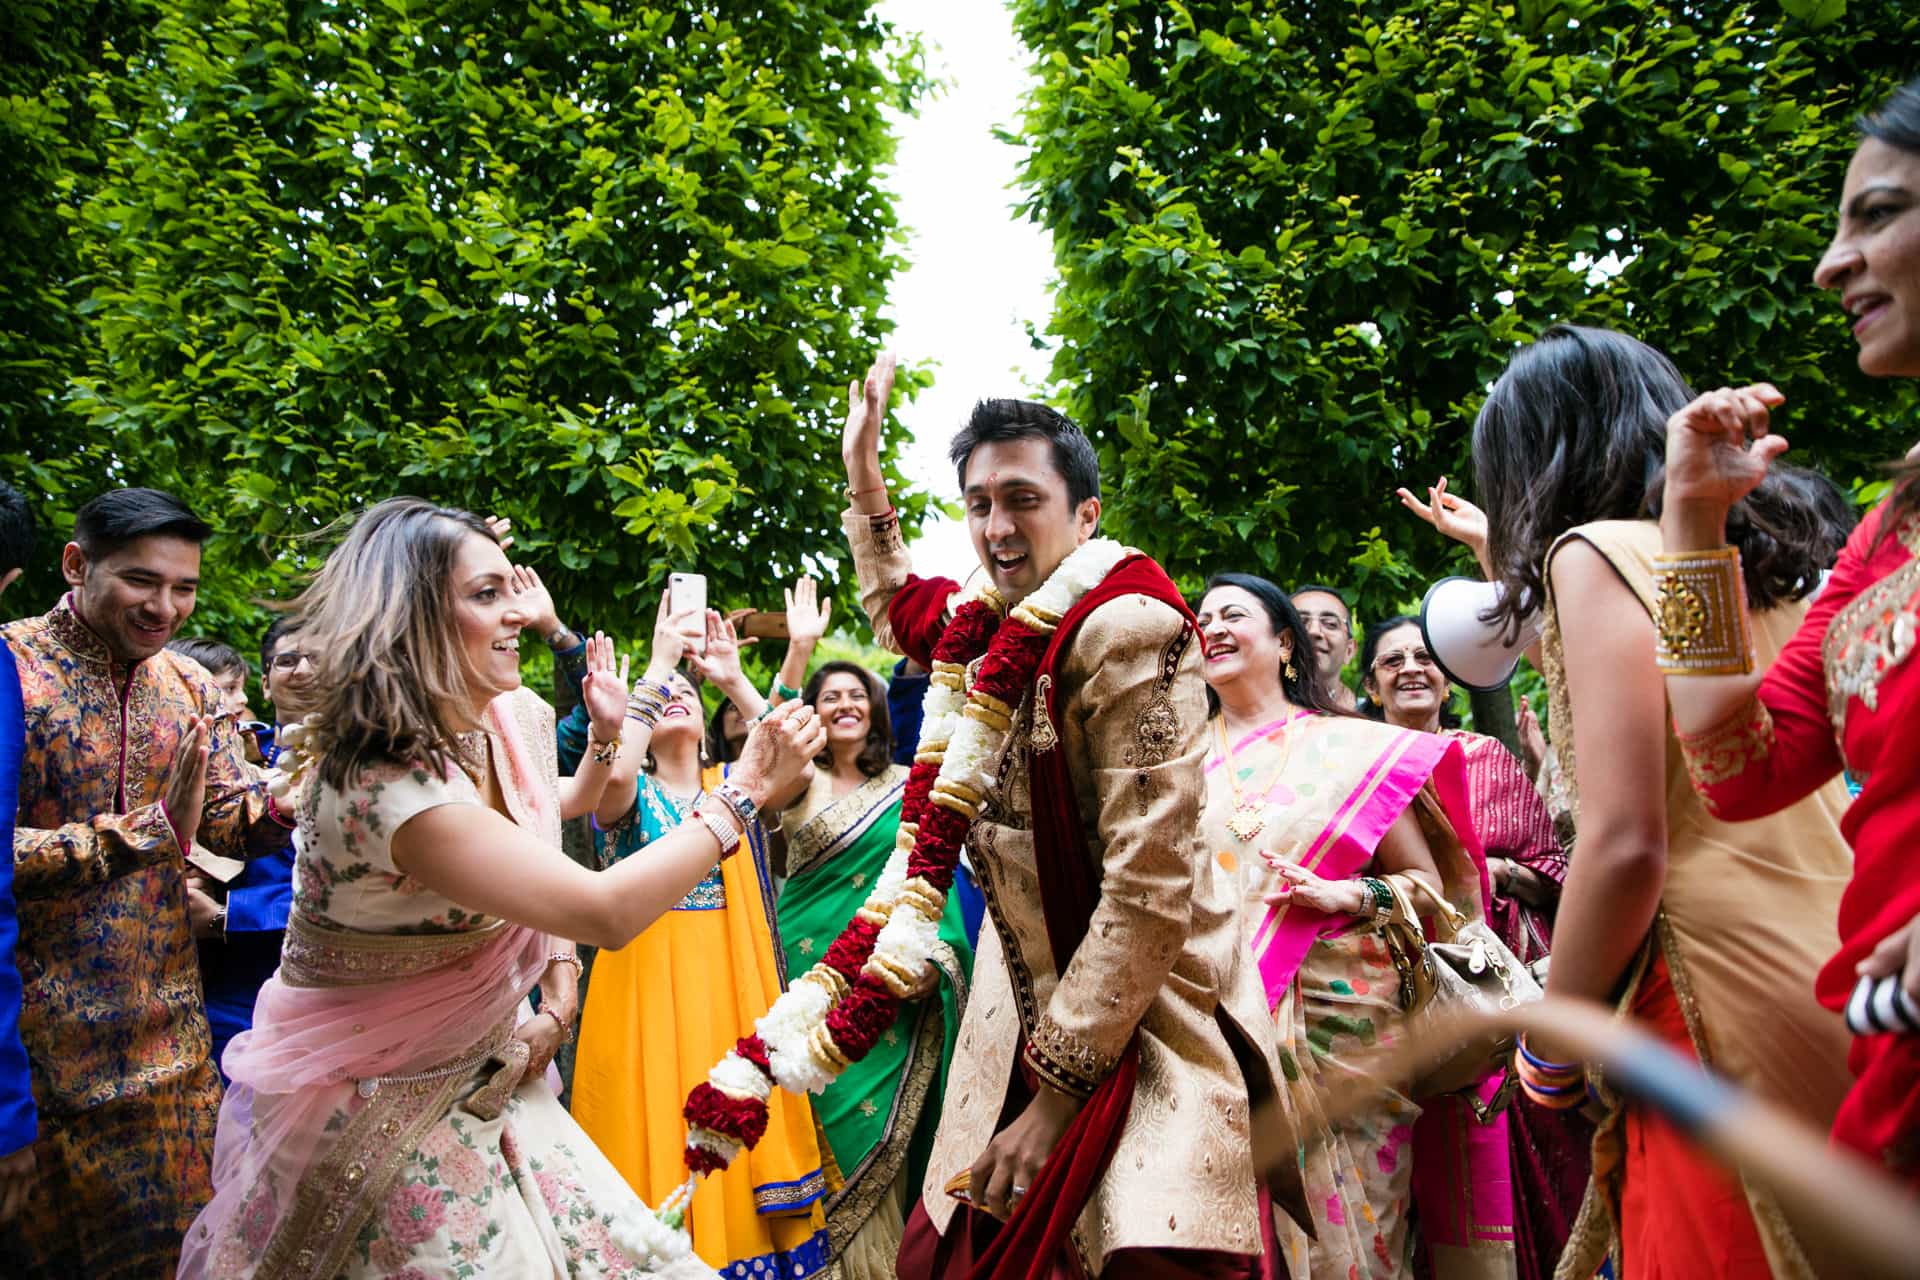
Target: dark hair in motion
1821, 515
16, 530
1574, 431
1370, 649
119, 516
877, 755
999, 421
1302, 689
217, 657
1896, 122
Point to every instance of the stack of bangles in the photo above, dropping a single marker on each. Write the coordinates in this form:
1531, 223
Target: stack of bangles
1558, 1086
728, 811
648, 701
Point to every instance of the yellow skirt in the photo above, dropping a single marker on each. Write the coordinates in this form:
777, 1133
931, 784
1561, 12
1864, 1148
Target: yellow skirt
660, 1012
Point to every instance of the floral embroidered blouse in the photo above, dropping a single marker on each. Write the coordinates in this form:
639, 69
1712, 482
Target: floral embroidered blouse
345, 877
1842, 694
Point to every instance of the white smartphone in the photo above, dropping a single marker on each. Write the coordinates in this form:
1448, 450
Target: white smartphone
687, 593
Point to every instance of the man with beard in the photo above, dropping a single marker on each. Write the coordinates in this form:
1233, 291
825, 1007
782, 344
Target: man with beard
125, 763
1114, 1005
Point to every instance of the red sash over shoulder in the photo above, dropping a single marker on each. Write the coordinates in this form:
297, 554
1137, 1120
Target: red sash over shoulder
1069, 892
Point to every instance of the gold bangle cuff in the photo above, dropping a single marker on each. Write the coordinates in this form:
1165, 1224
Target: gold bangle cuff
1700, 614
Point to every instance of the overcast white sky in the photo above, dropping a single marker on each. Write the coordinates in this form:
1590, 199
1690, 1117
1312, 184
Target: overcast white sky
976, 270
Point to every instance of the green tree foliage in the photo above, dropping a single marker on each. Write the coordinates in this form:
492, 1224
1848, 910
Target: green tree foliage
600, 268
1297, 241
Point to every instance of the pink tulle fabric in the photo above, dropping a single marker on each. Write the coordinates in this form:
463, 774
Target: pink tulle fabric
296, 1068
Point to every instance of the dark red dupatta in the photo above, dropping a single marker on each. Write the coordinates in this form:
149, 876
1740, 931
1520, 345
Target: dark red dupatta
1069, 891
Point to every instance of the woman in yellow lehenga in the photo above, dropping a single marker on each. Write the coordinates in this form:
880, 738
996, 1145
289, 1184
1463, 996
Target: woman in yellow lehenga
667, 1006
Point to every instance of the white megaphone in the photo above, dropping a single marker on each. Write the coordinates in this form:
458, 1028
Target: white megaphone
1472, 653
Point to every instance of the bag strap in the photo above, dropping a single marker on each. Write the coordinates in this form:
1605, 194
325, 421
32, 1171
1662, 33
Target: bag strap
1451, 917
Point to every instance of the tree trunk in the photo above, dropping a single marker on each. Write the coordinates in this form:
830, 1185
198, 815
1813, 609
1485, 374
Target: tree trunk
1493, 715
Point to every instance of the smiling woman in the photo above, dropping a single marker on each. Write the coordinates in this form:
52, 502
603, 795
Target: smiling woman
389, 1109
879, 1115
1321, 815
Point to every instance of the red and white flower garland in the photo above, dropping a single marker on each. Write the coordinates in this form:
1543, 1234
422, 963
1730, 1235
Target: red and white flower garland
832, 1015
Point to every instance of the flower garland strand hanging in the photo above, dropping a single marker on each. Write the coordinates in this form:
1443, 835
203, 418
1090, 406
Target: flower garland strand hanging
832, 1015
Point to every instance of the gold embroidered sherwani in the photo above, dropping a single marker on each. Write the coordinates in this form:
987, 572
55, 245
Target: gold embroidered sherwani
1163, 954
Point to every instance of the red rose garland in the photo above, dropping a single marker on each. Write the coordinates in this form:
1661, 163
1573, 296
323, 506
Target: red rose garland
859, 1018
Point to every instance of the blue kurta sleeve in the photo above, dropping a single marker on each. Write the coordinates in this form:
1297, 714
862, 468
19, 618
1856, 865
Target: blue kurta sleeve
904, 695
18, 1123
571, 734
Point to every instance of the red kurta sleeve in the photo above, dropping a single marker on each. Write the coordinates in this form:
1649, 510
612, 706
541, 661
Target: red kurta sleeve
1778, 746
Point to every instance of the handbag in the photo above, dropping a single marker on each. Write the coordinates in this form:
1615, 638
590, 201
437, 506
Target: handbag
1465, 966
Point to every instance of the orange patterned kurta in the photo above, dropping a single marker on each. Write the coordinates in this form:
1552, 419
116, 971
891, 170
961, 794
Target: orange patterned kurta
112, 1013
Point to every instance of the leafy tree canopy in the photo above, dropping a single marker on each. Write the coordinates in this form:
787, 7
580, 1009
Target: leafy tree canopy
1296, 242
600, 268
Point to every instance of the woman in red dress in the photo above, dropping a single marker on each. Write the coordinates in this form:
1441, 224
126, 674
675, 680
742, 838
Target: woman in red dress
1839, 693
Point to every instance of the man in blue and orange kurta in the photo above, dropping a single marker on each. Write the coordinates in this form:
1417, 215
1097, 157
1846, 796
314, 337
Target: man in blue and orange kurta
124, 765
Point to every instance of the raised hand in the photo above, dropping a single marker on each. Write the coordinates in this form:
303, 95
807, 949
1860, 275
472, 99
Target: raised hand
673, 635
185, 794
605, 689
1533, 742
807, 612
535, 601
860, 443
502, 530
720, 664
777, 758
1452, 515
1719, 448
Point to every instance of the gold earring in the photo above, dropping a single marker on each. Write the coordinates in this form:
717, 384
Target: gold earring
1291, 673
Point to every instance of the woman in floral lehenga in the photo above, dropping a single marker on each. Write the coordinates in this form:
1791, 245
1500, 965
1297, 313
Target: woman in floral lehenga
1314, 811
663, 1009
879, 1115
387, 1116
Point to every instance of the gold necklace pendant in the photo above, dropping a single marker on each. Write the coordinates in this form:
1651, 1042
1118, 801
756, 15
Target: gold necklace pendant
1247, 820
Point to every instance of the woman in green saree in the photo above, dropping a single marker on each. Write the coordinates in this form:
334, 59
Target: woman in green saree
878, 1118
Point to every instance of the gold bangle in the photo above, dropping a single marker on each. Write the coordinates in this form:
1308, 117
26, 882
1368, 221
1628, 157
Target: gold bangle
1700, 614
604, 752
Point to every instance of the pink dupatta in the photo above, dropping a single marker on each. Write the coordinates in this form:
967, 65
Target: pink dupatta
1332, 804
316, 1125
1337, 831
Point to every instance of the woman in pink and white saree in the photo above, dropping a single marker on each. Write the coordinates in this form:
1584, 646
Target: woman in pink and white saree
389, 1114
1315, 811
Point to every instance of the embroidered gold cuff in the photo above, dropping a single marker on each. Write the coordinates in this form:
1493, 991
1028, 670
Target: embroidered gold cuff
1723, 752
1064, 1061
1700, 613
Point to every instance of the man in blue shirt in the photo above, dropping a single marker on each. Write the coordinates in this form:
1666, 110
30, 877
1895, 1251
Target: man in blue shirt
18, 1124
240, 946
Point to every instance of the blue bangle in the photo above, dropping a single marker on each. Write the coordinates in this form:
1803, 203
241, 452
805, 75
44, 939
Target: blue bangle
1541, 1064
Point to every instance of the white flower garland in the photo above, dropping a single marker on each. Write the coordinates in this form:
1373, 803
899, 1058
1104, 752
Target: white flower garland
968, 740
